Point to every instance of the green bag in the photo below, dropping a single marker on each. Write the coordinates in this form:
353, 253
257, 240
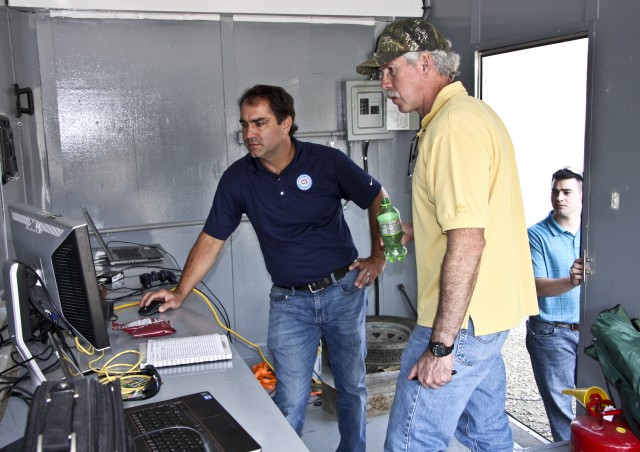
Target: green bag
617, 348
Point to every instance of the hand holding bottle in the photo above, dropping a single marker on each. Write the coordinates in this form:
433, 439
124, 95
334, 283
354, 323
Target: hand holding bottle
391, 232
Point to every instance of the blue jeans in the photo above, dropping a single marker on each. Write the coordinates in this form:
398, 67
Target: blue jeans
471, 406
297, 319
553, 351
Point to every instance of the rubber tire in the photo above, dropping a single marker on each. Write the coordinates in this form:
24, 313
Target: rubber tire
387, 338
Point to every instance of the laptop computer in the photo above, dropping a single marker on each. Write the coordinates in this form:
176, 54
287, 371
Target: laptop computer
184, 423
125, 255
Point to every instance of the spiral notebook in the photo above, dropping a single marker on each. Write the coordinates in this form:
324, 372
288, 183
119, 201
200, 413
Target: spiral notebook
176, 351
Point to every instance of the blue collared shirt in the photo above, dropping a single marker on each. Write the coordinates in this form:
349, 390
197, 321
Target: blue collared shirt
297, 215
553, 250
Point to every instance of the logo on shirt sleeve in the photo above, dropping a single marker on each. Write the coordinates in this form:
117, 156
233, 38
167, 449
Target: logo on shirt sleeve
304, 182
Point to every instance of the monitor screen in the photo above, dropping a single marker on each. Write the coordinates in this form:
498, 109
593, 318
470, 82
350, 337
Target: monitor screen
58, 250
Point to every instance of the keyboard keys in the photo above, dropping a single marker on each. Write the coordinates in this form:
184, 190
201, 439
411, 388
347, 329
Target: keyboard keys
167, 419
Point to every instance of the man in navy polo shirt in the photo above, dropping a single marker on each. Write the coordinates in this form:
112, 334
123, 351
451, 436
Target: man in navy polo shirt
292, 193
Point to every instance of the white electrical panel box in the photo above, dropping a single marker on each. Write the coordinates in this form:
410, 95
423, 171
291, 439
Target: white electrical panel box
371, 116
366, 111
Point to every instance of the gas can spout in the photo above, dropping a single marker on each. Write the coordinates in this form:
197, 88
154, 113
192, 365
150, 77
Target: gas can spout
583, 395
595, 400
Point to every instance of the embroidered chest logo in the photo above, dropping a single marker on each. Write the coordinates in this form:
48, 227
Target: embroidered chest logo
304, 182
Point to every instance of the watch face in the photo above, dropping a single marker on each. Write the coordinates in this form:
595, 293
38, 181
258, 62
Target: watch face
438, 350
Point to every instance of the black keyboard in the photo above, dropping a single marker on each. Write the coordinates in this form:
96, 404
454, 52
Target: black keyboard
127, 253
172, 439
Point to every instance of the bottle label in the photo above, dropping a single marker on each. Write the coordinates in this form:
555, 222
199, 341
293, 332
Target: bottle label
390, 227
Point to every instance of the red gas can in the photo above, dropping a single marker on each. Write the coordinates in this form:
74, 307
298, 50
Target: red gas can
595, 434
601, 431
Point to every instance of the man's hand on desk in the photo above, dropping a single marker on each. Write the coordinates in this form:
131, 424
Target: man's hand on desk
171, 299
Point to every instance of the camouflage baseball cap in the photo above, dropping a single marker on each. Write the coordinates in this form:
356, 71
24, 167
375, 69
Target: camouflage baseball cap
400, 37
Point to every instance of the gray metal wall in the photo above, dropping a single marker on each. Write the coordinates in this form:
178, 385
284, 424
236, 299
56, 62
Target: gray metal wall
139, 118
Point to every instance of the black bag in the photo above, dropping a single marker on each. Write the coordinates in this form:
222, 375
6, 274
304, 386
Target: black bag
81, 414
617, 348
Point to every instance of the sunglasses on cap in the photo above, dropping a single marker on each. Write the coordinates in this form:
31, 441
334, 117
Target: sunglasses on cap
572, 170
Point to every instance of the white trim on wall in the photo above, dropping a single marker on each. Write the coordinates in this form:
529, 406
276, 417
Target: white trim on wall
354, 8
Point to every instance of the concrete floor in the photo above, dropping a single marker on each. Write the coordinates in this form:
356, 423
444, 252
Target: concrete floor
320, 434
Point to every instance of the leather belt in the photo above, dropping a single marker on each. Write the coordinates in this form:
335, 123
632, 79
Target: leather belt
317, 286
571, 326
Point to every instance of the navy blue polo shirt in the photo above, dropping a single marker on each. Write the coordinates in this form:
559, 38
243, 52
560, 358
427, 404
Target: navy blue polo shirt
297, 215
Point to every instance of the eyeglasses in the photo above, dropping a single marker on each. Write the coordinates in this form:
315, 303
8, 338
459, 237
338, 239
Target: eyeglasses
413, 152
574, 170
413, 155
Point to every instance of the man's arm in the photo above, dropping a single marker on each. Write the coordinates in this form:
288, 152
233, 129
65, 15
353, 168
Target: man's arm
374, 265
550, 287
202, 256
458, 278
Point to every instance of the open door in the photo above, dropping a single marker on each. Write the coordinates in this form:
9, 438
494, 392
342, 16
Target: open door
539, 90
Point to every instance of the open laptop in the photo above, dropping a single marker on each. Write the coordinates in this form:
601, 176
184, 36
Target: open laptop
201, 417
125, 255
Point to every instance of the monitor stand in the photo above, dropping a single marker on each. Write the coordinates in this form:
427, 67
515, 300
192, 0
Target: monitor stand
18, 315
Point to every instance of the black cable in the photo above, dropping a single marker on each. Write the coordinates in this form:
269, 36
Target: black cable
4, 342
376, 288
318, 377
406, 297
16, 391
376, 285
212, 296
365, 156
59, 315
426, 9
221, 308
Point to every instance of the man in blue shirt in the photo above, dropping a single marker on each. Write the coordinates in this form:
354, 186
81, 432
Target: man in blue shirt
552, 335
292, 193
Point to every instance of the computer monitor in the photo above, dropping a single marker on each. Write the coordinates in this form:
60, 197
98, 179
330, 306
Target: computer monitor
65, 289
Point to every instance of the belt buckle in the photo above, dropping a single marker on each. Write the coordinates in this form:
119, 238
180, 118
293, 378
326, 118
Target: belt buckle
311, 288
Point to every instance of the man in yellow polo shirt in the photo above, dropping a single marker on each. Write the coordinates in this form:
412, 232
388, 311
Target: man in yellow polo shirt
475, 279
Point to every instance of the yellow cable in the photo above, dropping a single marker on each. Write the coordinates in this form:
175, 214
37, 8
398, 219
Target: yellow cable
206, 299
215, 314
127, 305
130, 381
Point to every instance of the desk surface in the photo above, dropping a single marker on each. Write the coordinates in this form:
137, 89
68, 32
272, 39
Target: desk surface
231, 383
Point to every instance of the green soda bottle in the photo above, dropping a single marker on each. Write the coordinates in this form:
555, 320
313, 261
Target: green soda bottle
391, 231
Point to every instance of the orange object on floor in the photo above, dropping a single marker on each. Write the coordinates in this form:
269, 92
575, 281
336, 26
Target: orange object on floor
265, 376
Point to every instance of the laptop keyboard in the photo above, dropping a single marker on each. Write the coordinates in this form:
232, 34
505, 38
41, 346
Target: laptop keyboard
161, 417
127, 253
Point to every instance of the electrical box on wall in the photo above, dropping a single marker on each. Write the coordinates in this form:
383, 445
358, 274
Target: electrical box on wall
369, 114
366, 111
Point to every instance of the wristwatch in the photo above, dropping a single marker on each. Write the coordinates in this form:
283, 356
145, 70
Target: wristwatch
439, 349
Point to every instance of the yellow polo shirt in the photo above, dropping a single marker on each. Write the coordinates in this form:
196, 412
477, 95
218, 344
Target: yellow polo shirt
466, 177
